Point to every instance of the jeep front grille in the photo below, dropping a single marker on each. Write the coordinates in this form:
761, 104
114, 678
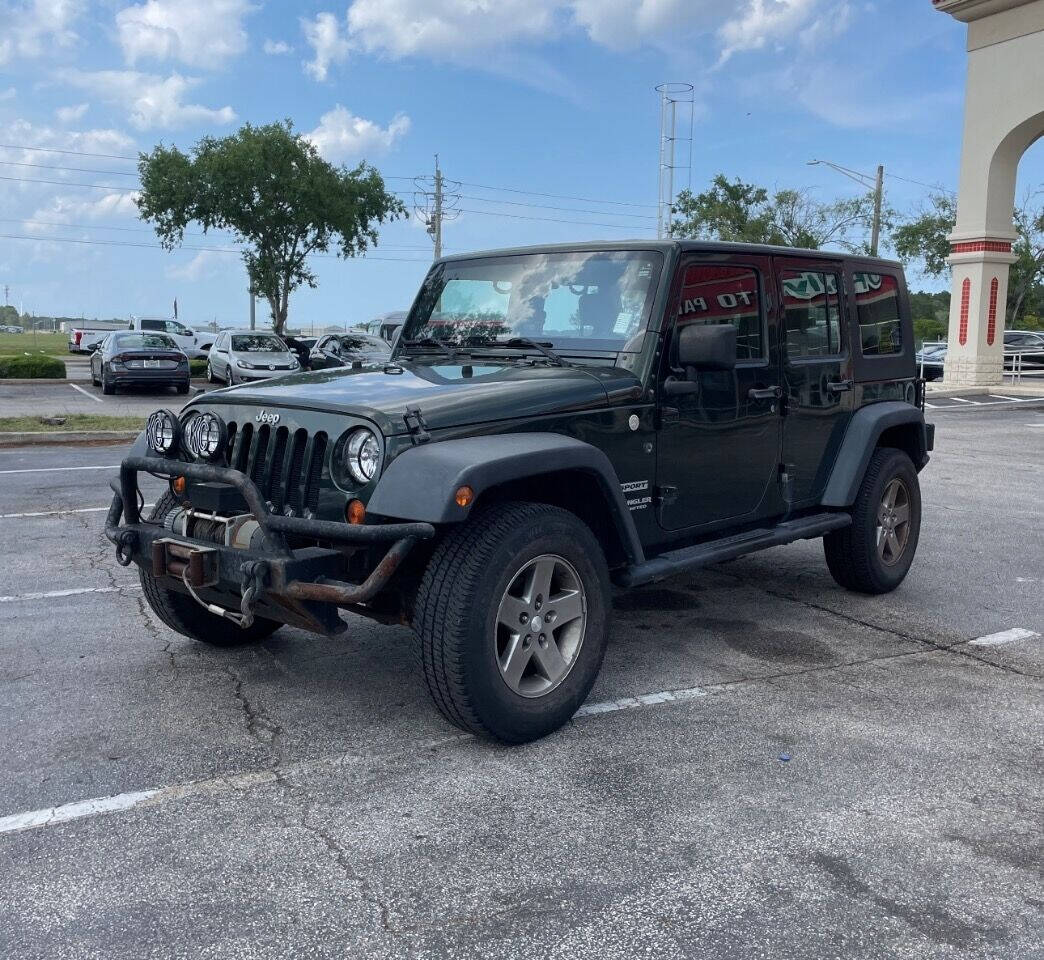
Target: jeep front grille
286, 465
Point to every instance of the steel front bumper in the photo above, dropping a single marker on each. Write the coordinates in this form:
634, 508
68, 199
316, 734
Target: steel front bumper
297, 586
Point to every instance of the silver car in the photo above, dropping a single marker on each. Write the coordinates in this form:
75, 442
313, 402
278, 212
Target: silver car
242, 356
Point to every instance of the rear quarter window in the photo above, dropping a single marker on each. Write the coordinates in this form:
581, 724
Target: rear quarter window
878, 314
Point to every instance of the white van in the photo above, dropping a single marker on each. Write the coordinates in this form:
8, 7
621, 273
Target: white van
193, 344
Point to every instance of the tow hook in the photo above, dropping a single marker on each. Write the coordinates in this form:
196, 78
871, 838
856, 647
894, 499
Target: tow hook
126, 542
254, 573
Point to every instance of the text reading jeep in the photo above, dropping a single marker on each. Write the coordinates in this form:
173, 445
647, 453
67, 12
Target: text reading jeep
553, 421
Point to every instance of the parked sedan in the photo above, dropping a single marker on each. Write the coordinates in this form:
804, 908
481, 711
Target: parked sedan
237, 357
341, 349
125, 358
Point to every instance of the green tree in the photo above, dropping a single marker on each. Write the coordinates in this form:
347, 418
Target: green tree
923, 238
9, 315
739, 212
272, 190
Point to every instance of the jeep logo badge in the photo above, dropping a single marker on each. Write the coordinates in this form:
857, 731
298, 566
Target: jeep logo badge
263, 417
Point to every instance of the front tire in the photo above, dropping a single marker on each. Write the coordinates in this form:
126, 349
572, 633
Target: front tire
874, 554
210, 373
182, 614
512, 620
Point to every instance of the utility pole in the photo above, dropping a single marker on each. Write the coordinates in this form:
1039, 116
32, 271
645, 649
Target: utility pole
253, 299
436, 216
7, 294
874, 183
875, 236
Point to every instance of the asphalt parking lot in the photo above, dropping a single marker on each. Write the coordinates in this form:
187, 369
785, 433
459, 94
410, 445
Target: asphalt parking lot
768, 767
26, 399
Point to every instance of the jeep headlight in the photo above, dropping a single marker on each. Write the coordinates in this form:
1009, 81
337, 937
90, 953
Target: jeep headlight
161, 432
362, 454
206, 436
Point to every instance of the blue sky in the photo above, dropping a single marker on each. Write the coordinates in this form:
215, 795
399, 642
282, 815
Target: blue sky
526, 97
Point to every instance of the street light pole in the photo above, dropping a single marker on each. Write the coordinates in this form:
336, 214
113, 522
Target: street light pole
873, 183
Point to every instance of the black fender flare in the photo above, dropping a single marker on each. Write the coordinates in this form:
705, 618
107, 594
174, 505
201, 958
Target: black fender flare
420, 483
861, 439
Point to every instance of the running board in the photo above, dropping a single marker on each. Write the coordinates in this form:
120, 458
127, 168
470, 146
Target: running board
728, 548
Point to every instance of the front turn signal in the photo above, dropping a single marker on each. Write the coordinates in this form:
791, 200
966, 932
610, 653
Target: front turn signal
178, 485
355, 512
464, 496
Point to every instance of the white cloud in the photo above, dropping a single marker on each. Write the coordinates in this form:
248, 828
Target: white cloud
31, 29
448, 28
76, 208
277, 47
106, 141
330, 46
343, 136
204, 264
151, 101
626, 23
764, 21
71, 114
202, 33
9, 94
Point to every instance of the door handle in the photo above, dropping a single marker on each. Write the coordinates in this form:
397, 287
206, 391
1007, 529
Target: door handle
765, 393
840, 386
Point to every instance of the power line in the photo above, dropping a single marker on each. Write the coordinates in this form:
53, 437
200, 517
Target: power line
519, 216
72, 153
66, 183
45, 166
559, 196
156, 246
547, 206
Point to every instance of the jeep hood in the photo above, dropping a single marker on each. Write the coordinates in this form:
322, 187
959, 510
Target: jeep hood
447, 394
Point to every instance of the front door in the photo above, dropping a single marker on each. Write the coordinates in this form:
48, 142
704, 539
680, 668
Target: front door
817, 373
718, 448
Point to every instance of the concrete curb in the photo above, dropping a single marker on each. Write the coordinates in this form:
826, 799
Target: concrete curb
80, 437
1009, 389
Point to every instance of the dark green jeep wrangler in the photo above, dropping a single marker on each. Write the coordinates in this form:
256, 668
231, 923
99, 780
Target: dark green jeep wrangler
553, 422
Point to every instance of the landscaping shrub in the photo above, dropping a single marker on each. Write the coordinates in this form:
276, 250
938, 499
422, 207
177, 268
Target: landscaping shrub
198, 368
32, 367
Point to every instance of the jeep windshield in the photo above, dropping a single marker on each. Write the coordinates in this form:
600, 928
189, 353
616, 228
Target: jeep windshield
571, 301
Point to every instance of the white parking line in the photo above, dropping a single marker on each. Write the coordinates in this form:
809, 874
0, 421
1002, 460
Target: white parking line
86, 394
59, 513
1006, 636
103, 466
74, 592
997, 396
963, 400
930, 406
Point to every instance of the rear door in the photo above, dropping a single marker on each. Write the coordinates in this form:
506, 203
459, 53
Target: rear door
718, 449
817, 372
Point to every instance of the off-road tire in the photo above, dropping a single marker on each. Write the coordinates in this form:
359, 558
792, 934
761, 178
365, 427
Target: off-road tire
851, 553
454, 619
182, 614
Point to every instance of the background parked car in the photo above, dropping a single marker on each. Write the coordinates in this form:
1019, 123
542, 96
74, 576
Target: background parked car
130, 357
1028, 344
195, 345
341, 349
302, 346
239, 356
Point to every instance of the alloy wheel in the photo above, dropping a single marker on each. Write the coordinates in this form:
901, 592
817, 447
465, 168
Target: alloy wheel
893, 522
540, 625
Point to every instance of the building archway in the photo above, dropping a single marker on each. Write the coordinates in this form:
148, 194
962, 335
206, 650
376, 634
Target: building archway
1003, 117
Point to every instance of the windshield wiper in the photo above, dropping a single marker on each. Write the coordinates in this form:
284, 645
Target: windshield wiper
521, 343
442, 345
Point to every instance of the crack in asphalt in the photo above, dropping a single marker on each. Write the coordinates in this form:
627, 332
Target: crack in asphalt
954, 647
259, 724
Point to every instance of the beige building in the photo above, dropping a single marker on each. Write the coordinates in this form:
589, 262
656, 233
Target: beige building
1003, 116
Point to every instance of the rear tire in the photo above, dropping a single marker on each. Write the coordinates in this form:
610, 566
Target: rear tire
182, 614
487, 572
183, 388
108, 387
874, 554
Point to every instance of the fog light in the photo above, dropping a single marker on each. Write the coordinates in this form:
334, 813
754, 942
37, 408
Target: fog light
178, 485
355, 512
464, 496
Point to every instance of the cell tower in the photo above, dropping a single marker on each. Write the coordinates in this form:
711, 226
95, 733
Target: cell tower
675, 148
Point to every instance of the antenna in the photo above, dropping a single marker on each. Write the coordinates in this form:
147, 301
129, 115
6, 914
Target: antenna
675, 98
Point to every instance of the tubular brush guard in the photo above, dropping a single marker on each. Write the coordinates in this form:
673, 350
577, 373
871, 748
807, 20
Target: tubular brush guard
300, 587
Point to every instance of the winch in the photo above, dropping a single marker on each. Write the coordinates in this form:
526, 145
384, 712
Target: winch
241, 531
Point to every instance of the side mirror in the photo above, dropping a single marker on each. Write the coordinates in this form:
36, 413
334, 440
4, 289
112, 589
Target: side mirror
711, 347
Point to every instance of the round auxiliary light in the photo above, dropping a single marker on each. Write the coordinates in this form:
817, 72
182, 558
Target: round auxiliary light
161, 431
206, 435
362, 454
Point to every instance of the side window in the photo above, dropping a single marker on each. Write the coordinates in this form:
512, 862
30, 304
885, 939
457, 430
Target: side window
152, 325
812, 311
175, 329
877, 305
716, 293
